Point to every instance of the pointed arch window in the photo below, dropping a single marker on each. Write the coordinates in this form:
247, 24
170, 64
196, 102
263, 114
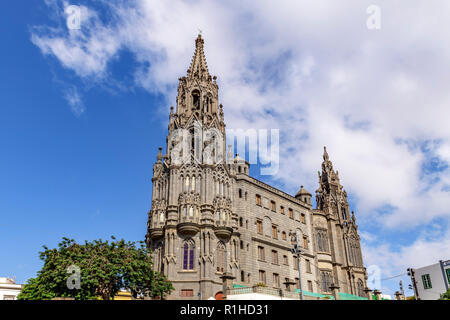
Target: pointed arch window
344, 214
326, 281
187, 183
193, 183
196, 99
220, 257
188, 255
360, 288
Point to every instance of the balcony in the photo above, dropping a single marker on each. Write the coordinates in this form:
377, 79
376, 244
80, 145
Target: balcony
189, 225
156, 230
222, 227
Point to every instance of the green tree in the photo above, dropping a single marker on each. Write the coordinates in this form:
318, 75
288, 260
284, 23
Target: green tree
445, 296
105, 268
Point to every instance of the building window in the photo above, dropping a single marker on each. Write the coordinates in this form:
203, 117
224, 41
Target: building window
426, 281
322, 240
295, 263
283, 235
361, 288
241, 245
262, 276
303, 218
220, 257
291, 213
282, 210
305, 242
285, 260
241, 222
240, 193
276, 280
186, 293
308, 266
326, 281
274, 257
310, 286
286, 283
188, 255
297, 283
448, 275
261, 255
242, 276
274, 232
259, 226
273, 206
258, 200
344, 214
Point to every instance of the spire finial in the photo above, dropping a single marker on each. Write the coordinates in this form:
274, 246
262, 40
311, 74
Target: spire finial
325, 154
159, 156
198, 66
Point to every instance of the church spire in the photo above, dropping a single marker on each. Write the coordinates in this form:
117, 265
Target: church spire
198, 96
199, 67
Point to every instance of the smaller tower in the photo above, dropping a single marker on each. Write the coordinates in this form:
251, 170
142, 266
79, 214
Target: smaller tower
304, 195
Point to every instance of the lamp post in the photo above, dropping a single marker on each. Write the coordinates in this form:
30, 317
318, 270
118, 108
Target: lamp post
297, 251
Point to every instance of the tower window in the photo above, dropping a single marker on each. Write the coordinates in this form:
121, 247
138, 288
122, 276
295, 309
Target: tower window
196, 99
220, 257
188, 256
344, 214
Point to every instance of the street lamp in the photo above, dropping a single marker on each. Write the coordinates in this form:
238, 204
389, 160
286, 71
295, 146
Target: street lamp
297, 251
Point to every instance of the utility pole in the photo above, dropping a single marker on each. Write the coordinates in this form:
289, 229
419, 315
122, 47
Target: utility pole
297, 251
413, 281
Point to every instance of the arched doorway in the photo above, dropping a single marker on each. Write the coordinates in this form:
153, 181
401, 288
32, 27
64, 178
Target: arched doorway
219, 295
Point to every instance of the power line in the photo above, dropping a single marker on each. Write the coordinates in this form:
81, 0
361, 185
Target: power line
400, 275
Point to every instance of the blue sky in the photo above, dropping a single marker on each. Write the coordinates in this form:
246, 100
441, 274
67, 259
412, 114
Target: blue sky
83, 113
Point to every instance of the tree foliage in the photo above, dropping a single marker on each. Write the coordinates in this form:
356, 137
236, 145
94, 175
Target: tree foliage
445, 295
105, 268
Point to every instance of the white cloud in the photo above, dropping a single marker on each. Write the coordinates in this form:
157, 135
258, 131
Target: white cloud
74, 100
373, 97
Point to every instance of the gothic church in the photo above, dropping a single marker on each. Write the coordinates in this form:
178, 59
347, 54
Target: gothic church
207, 219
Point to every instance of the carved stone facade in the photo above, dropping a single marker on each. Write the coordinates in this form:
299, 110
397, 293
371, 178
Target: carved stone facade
208, 216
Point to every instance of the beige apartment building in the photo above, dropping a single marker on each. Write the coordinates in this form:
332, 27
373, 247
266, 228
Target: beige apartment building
209, 216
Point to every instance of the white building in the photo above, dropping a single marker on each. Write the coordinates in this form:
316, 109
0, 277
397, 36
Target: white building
9, 289
431, 281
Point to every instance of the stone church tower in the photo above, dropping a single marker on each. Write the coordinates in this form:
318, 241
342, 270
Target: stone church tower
208, 216
192, 226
